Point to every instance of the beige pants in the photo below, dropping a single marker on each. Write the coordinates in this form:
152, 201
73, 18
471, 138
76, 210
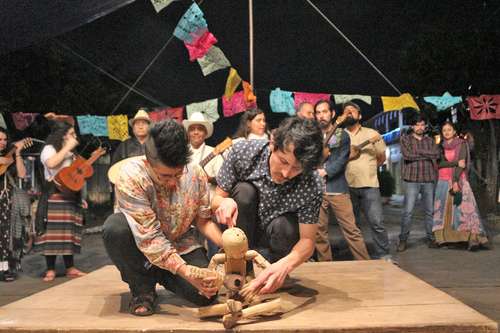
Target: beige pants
342, 207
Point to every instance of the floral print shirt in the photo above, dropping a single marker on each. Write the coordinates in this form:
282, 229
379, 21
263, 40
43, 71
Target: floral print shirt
160, 218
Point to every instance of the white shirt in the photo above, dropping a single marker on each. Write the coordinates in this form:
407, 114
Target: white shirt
212, 168
47, 152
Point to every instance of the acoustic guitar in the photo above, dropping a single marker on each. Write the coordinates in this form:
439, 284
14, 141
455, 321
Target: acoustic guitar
219, 149
27, 142
72, 178
356, 149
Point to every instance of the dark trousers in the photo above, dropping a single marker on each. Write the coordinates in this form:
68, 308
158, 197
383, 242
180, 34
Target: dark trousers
136, 270
275, 240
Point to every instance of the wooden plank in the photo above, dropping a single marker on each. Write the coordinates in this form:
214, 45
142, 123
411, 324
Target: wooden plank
368, 296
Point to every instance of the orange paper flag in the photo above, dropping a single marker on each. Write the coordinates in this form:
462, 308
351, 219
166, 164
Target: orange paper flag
248, 93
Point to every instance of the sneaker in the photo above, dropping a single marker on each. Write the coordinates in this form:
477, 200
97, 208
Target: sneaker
402, 246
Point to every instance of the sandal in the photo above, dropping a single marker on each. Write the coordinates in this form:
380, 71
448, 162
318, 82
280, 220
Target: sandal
74, 273
50, 275
147, 301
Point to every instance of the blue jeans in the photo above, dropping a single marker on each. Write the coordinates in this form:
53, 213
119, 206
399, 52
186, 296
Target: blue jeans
411, 195
370, 202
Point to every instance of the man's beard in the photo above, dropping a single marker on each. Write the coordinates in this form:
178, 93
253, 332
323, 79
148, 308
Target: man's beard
350, 121
324, 124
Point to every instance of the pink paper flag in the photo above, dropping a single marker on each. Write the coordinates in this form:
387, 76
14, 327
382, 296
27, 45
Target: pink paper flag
236, 104
484, 107
22, 119
168, 113
200, 46
301, 97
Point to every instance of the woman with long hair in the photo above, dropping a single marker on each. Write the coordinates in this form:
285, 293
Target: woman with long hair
61, 234
252, 126
456, 216
15, 168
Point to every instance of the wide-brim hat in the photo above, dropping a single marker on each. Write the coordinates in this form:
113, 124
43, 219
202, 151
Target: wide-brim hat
140, 115
197, 118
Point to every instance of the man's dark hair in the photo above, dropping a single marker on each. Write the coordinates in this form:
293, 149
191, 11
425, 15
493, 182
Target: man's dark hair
418, 118
168, 144
321, 101
305, 135
354, 105
58, 129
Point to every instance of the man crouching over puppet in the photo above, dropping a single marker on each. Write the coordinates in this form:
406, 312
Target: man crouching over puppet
273, 193
152, 240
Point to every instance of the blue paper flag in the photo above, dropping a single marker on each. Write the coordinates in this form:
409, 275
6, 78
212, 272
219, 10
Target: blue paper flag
96, 125
190, 22
443, 102
281, 101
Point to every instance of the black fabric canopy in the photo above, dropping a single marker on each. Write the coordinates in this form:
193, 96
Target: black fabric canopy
25, 22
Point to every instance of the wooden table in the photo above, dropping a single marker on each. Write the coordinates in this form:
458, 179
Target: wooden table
349, 296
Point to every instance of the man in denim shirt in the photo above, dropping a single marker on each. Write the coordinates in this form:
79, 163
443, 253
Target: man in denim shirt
336, 197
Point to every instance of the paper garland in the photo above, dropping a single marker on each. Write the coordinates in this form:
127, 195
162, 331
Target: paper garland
213, 60
118, 127
399, 102
22, 120
341, 99
96, 125
484, 107
190, 23
208, 108
301, 97
281, 101
235, 104
443, 102
161, 4
232, 83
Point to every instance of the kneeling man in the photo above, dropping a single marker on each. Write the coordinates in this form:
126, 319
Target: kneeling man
151, 240
273, 193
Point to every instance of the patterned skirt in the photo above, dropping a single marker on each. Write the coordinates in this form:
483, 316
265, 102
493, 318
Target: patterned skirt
452, 223
5, 206
64, 226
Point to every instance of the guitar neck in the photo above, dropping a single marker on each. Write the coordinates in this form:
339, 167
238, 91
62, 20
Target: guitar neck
207, 159
92, 159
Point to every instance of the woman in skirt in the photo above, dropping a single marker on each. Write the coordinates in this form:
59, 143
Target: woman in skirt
62, 230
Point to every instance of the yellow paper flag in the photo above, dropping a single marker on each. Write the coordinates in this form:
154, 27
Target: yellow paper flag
398, 103
233, 81
118, 127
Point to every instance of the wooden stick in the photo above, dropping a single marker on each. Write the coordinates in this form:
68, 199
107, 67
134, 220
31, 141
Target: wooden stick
230, 320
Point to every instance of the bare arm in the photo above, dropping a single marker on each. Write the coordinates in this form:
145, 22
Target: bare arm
210, 230
58, 158
273, 277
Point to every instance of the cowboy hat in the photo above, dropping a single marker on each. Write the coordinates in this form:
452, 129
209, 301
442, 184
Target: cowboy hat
199, 118
140, 115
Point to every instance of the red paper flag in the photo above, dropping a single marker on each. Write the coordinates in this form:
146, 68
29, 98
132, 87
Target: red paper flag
484, 107
236, 104
23, 119
200, 46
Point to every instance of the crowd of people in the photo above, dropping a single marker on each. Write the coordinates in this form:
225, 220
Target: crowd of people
174, 196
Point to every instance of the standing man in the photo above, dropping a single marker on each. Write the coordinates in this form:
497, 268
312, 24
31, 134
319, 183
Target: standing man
361, 174
151, 239
336, 197
272, 192
134, 146
419, 173
199, 129
305, 110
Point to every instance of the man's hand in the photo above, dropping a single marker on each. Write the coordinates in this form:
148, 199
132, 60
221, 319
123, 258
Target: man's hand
227, 213
322, 172
270, 279
207, 286
461, 164
70, 143
455, 187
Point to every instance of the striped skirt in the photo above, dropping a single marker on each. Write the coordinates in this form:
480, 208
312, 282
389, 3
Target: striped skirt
64, 226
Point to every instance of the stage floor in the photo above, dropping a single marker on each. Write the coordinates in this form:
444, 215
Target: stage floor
349, 296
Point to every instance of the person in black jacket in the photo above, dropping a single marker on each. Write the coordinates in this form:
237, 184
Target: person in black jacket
134, 146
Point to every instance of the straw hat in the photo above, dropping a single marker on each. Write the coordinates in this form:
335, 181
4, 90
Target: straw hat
140, 115
199, 118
